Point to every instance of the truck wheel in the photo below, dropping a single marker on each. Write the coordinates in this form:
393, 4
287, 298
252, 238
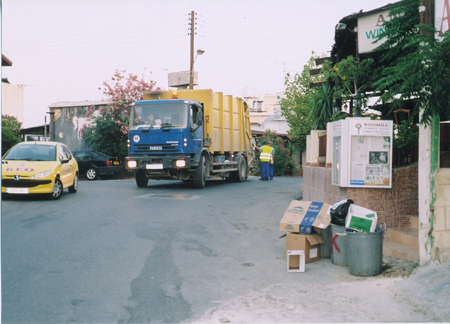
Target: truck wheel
200, 174
241, 174
141, 179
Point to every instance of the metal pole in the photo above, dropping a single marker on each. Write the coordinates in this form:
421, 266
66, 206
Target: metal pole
191, 71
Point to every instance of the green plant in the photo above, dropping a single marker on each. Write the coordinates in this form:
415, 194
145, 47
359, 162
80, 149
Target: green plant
10, 132
321, 101
406, 137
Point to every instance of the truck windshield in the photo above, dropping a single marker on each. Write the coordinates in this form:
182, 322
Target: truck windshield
161, 115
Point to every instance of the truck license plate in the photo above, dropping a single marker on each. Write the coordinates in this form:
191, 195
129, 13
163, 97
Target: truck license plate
156, 166
17, 190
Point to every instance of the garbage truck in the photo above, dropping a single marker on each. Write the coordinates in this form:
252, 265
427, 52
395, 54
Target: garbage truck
189, 135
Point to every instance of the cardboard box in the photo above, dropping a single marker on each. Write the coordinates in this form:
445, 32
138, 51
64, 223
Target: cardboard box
310, 244
361, 219
298, 254
302, 216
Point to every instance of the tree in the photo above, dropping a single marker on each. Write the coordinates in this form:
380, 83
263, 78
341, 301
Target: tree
416, 66
349, 77
10, 132
296, 106
109, 131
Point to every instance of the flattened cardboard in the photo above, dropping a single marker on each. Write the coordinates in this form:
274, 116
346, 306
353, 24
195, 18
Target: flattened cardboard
302, 216
308, 243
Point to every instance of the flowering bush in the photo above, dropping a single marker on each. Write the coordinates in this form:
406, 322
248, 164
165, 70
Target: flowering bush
108, 133
284, 163
10, 132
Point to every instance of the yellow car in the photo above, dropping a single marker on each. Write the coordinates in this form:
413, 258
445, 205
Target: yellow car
39, 168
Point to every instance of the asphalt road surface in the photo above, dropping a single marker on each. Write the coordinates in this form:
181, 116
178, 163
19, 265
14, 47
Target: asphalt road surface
116, 253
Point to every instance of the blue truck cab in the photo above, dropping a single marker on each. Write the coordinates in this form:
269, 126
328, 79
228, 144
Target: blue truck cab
165, 139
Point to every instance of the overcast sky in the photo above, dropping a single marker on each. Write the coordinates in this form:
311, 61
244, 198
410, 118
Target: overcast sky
63, 50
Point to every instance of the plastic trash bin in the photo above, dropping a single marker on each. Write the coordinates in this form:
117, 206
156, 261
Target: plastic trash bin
338, 245
325, 248
365, 253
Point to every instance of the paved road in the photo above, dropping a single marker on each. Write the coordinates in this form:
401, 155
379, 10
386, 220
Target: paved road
115, 253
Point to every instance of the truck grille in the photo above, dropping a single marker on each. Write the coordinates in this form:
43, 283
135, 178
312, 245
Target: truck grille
163, 148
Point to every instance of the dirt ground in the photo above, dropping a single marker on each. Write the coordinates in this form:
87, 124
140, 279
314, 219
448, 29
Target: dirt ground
403, 292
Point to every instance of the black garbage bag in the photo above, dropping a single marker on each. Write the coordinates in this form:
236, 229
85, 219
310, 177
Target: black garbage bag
338, 212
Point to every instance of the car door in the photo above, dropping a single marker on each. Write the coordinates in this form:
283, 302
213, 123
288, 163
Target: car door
66, 172
82, 160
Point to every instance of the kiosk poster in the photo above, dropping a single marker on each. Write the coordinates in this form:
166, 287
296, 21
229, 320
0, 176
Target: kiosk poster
370, 153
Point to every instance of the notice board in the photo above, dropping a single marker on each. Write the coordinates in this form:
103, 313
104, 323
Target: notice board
365, 153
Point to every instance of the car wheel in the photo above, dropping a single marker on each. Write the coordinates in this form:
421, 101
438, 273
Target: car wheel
57, 190
74, 187
92, 174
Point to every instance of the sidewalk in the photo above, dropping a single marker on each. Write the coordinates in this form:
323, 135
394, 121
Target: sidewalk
402, 293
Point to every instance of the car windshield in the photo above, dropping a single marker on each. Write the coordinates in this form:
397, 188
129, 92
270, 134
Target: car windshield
160, 115
32, 152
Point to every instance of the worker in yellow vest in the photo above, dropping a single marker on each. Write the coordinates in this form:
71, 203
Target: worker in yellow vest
265, 157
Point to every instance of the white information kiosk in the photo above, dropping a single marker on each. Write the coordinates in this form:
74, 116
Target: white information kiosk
362, 153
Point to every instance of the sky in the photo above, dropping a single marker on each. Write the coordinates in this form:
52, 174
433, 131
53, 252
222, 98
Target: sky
63, 50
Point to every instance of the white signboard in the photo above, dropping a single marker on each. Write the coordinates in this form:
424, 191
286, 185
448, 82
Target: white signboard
442, 16
369, 27
179, 79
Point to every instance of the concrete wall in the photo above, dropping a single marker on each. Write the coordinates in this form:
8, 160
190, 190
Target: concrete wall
440, 250
12, 101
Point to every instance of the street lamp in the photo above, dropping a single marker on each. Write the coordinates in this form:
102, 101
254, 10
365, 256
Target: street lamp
336, 108
358, 103
200, 51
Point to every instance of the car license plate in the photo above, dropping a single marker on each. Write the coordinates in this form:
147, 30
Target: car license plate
156, 166
116, 162
17, 190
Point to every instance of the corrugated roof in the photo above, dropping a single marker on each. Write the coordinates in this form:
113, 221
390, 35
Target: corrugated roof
79, 103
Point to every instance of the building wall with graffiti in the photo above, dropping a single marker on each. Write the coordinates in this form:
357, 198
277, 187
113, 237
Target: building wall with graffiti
69, 118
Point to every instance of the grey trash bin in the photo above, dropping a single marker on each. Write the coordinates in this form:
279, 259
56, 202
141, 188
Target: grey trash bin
338, 245
365, 253
325, 248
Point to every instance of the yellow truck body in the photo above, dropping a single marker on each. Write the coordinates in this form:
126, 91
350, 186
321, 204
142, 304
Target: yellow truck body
226, 118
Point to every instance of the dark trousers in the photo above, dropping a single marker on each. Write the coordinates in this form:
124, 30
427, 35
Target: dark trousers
265, 170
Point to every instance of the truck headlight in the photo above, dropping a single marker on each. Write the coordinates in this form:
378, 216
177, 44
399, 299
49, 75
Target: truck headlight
132, 164
180, 163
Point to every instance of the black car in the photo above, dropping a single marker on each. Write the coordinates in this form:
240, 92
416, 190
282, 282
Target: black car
94, 164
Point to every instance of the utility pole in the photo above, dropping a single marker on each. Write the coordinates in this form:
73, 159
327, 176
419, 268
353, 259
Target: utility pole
191, 70
428, 161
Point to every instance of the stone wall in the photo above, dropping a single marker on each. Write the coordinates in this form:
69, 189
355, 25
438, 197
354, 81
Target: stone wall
391, 205
441, 223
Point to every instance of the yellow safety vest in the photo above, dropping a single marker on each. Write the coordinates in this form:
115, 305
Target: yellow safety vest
266, 153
